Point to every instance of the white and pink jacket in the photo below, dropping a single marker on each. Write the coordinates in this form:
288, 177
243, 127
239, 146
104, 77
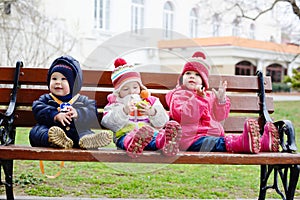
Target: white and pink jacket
198, 116
115, 119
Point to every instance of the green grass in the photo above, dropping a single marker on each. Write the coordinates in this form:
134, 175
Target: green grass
121, 180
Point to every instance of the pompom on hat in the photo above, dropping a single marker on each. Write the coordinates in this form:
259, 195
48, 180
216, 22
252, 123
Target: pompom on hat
124, 73
199, 64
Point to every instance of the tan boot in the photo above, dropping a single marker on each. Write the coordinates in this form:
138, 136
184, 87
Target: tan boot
97, 140
58, 138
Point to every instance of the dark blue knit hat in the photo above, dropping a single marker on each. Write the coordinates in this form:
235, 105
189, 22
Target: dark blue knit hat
67, 72
70, 68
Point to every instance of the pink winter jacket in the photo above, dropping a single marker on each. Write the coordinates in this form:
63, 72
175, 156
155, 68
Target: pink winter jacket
198, 116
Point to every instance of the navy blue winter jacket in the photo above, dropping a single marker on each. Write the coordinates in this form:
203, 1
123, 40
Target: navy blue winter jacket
45, 108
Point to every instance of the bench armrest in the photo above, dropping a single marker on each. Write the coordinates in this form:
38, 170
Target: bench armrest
7, 132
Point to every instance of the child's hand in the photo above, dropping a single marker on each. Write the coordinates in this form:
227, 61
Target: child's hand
200, 90
146, 109
63, 118
129, 107
221, 93
72, 112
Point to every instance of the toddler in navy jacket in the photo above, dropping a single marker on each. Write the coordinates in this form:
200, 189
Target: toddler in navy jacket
64, 117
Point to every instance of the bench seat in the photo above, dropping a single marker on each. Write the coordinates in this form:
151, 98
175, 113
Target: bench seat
17, 152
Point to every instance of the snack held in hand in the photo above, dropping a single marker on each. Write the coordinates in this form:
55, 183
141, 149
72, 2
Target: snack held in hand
140, 103
145, 94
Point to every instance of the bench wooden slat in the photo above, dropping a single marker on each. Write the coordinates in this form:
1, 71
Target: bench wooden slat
7, 75
233, 124
239, 83
238, 103
152, 80
5, 96
106, 155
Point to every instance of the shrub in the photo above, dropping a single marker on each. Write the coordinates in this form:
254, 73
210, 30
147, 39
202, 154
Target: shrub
281, 87
294, 80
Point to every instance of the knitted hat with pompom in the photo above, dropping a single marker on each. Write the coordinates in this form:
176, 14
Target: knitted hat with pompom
197, 63
124, 73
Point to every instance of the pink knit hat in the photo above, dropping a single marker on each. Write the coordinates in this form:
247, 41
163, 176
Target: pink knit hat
197, 63
124, 73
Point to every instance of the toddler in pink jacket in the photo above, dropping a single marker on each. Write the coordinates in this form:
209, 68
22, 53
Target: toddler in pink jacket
200, 113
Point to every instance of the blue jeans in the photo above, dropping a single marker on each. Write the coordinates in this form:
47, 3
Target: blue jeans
151, 146
209, 144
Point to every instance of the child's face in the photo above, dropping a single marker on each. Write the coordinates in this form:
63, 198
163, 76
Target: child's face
191, 79
59, 84
130, 88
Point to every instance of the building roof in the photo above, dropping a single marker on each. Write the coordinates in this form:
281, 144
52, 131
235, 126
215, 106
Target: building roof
230, 41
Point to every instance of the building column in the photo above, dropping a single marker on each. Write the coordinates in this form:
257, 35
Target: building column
290, 67
260, 66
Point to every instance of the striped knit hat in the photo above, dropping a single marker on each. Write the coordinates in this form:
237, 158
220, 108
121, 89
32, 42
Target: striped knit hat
124, 73
197, 63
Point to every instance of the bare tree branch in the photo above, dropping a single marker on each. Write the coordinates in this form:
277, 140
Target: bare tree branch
29, 35
295, 7
293, 3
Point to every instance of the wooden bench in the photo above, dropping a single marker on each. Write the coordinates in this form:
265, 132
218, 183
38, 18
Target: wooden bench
20, 86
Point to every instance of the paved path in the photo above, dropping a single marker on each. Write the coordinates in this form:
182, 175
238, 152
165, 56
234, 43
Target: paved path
71, 198
53, 198
282, 97
67, 198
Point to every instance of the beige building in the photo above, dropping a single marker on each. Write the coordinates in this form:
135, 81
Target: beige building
241, 56
156, 35
161, 34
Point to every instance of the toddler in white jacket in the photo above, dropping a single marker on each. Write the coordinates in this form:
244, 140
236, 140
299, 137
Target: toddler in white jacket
139, 121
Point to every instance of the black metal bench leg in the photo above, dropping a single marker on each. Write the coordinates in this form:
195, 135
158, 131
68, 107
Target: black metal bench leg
289, 175
263, 182
266, 171
8, 171
294, 176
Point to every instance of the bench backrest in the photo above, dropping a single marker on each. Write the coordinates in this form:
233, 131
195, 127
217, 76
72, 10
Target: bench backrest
242, 91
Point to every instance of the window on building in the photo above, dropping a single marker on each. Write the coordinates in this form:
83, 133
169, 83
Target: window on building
193, 23
168, 18
245, 68
277, 72
236, 27
216, 25
252, 31
137, 16
101, 14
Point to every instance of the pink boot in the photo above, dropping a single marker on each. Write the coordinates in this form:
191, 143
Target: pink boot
173, 135
247, 142
139, 141
269, 141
